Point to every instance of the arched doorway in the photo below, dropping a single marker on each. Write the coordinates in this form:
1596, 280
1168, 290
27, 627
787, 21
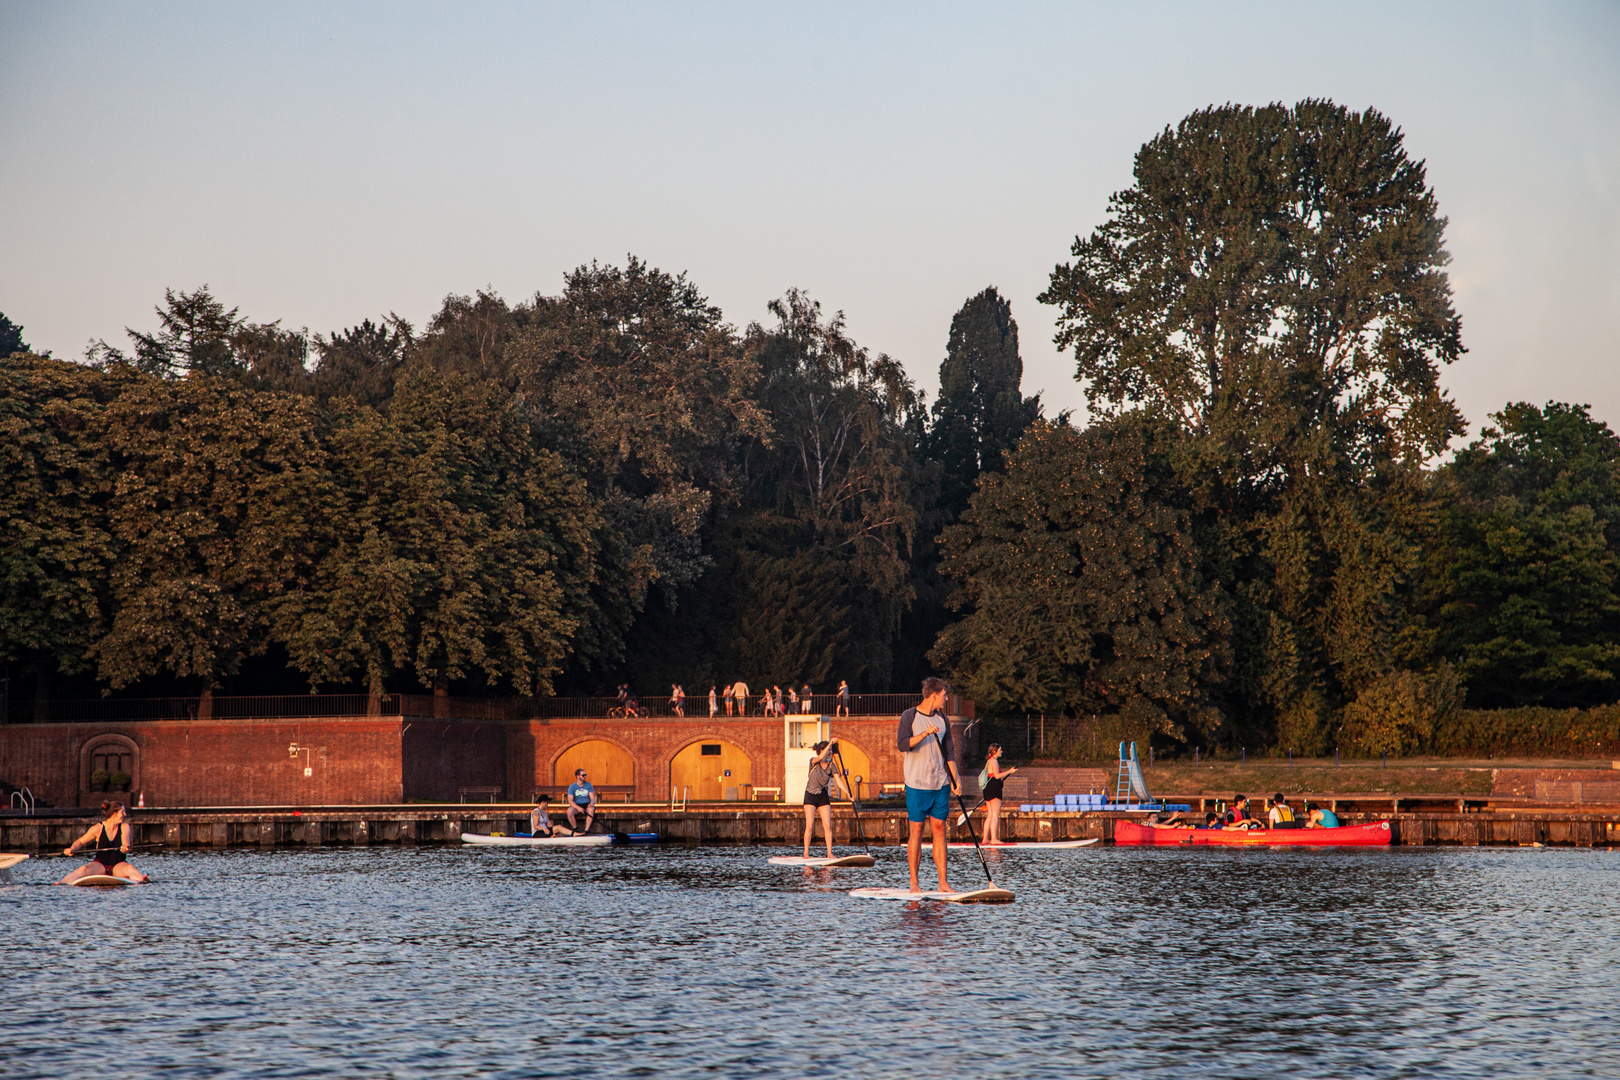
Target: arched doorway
703, 767
859, 767
606, 764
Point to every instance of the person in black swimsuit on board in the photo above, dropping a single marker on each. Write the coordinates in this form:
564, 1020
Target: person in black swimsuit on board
112, 841
994, 775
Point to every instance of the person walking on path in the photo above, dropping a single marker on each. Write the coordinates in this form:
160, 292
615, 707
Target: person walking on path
804, 699
714, 703
740, 693
924, 741
112, 841
843, 699
993, 775
821, 785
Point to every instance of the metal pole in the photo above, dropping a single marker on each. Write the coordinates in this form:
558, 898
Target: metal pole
1245, 760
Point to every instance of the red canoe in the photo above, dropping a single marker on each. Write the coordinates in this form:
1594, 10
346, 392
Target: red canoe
1376, 834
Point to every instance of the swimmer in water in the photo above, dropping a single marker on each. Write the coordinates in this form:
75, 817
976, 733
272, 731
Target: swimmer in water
111, 839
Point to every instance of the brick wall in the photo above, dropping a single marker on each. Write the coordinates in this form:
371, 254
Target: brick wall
214, 763
438, 757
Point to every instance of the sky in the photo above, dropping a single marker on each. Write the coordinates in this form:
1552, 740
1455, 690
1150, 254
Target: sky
323, 163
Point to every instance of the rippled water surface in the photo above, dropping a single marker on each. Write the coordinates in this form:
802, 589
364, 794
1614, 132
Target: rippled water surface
706, 962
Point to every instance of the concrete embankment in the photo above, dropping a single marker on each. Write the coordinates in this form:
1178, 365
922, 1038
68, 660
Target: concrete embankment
280, 827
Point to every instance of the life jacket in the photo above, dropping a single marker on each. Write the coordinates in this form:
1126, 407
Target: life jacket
1284, 812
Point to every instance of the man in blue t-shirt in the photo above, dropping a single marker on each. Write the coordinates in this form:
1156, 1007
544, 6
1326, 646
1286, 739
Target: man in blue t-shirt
581, 800
924, 740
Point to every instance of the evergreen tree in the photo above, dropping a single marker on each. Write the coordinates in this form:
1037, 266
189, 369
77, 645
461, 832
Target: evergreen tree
11, 339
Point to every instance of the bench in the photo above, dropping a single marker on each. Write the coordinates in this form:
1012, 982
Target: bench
559, 792
776, 792
480, 792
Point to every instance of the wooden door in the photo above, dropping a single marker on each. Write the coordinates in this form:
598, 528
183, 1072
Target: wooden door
859, 767
604, 763
702, 766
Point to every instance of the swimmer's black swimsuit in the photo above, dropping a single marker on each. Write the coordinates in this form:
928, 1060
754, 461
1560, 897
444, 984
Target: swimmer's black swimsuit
107, 853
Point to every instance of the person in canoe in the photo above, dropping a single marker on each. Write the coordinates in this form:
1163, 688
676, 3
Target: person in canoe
819, 788
540, 824
1238, 817
924, 742
111, 840
993, 775
581, 800
1281, 815
1317, 817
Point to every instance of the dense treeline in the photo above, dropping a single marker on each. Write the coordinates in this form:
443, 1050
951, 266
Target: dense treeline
1256, 540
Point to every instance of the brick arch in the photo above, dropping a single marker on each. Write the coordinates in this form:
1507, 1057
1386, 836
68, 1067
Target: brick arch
551, 766
101, 746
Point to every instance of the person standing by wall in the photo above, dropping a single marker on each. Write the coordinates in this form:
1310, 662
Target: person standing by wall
740, 693
714, 702
677, 700
804, 699
924, 741
843, 699
793, 699
729, 698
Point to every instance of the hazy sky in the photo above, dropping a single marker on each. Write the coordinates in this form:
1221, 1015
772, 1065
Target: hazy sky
321, 163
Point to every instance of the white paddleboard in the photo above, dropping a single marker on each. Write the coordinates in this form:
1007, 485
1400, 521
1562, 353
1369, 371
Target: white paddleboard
800, 860
594, 840
1050, 845
972, 896
101, 881
8, 861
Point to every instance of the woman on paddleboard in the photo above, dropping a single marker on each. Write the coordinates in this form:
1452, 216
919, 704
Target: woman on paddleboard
112, 841
994, 774
819, 787
540, 824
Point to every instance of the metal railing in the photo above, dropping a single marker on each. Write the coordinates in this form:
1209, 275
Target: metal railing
295, 706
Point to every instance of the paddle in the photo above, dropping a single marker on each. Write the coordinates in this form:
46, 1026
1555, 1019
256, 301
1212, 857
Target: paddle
854, 801
973, 833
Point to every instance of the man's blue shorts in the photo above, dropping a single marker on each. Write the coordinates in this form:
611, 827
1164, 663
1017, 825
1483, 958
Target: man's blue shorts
923, 803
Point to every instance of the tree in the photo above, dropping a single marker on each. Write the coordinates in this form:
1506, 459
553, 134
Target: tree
1527, 570
981, 411
11, 339
1082, 585
1272, 284
55, 547
454, 548
362, 362
214, 513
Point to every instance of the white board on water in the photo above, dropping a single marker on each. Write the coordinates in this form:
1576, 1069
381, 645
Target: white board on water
101, 880
8, 861
594, 840
841, 860
972, 896
1050, 845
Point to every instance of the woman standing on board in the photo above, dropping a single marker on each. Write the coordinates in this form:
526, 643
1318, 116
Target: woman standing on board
819, 787
111, 839
994, 775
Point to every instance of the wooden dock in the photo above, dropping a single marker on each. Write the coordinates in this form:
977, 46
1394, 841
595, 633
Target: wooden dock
731, 823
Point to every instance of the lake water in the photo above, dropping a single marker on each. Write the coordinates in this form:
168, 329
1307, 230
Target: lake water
706, 962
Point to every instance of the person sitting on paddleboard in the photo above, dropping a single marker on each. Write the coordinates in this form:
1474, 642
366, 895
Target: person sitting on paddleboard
540, 825
924, 741
993, 774
581, 800
111, 839
1317, 817
820, 786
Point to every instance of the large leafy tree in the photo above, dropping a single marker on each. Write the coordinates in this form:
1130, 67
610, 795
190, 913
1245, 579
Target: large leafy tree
55, 546
981, 411
1273, 285
213, 512
1083, 586
1526, 577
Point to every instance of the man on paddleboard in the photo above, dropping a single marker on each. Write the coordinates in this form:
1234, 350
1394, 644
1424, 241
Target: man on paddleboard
930, 772
581, 800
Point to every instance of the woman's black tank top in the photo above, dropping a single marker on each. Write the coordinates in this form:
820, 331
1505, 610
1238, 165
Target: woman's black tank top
992, 790
107, 853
